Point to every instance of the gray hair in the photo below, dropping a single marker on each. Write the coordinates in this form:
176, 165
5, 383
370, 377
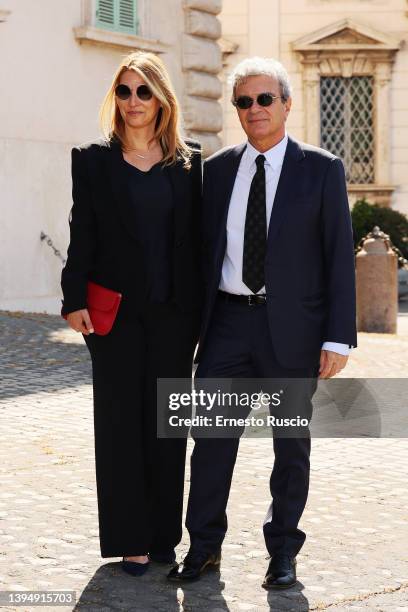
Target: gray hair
255, 66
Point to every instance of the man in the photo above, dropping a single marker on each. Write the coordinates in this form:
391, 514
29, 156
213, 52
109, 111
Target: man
280, 284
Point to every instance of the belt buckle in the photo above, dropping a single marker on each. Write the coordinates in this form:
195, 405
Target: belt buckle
255, 299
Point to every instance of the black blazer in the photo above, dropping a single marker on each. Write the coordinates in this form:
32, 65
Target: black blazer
104, 244
309, 266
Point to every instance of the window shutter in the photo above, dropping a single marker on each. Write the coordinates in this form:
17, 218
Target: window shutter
127, 15
117, 15
105, 14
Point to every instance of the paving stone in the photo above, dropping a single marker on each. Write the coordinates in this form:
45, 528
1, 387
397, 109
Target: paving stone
356, 520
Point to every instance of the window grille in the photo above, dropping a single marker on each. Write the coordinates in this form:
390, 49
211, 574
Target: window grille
346, 124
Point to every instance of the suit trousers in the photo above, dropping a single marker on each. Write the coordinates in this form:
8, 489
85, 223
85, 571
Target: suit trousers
239, 345
140, 477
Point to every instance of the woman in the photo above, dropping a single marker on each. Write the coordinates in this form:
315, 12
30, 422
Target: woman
135, 229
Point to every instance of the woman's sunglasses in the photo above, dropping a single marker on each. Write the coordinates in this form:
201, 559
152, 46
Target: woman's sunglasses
263, 99
124, 92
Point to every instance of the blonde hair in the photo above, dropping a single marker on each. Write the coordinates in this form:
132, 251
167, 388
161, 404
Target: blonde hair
167, 130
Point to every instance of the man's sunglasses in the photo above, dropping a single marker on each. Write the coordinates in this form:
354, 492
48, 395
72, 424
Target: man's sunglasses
263, 99
124, 92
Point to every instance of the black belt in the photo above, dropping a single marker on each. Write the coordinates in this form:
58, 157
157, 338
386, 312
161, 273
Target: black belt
250, 300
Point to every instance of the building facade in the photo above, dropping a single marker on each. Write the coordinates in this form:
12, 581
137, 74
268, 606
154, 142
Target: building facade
348, 64
58, 58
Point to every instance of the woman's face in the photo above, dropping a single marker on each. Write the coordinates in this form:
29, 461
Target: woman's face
136, 113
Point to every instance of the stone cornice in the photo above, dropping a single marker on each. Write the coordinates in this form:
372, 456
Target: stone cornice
346, 35
98, 36
227, 46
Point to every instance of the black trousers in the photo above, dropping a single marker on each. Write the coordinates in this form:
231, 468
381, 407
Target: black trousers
140, 478
239, 346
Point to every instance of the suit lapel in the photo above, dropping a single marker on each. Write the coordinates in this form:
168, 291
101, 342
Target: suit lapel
119, 181
224, 191
286, 188
179, 183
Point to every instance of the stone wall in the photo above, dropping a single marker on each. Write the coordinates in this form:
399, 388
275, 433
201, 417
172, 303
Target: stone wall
201, 62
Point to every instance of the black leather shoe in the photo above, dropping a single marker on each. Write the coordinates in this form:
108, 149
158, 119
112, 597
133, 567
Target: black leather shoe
166, 557
281, 572
193, 566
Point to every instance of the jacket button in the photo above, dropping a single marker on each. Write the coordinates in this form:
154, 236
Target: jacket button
179, 243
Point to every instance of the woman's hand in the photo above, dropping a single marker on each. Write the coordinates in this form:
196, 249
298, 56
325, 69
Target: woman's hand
80, 321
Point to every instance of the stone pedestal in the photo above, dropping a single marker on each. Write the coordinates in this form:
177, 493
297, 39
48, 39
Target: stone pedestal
377, 285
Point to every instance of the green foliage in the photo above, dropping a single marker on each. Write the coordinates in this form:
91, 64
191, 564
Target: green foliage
365, 216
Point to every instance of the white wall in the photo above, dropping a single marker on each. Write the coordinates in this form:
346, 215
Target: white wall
52, 88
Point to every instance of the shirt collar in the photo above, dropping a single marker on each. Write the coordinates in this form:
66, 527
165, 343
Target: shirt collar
274, 156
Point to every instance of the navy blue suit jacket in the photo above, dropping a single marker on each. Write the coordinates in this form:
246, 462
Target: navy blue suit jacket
309, 265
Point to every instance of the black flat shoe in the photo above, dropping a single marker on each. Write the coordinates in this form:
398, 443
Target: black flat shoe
193, 566
134, 568
165, 557
281, 572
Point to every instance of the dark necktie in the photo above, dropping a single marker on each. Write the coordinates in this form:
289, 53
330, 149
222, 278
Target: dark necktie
253, 262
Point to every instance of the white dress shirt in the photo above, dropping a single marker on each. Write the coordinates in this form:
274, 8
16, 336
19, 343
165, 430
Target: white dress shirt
231, 275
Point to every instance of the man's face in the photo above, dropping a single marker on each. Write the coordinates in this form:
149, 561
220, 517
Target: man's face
263, 123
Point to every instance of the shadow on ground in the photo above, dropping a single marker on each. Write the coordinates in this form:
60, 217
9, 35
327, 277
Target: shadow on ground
35, 355
111, 589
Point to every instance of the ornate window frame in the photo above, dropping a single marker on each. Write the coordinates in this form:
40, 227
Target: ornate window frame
347, 48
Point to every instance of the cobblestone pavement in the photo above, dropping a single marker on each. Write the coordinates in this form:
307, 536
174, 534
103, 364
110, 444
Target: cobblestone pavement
355, 556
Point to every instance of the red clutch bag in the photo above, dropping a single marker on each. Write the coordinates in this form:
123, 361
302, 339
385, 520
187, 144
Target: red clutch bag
103, 305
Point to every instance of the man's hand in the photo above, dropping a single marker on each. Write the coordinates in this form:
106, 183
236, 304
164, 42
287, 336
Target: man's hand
331, 363
80, 321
